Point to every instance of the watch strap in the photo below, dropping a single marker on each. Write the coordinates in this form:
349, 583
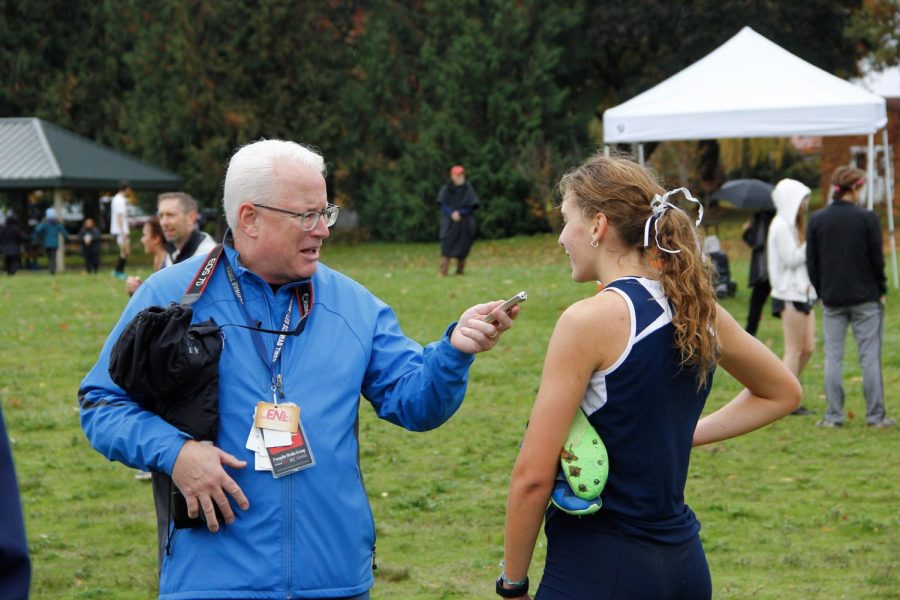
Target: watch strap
512, 592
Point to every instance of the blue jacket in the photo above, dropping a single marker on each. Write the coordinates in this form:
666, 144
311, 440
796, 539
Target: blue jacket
310, 534
47, 233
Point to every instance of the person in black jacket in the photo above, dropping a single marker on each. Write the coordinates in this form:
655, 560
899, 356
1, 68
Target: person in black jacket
458, 202
15, 567
89, 235
755, 235
11, 240
845, 261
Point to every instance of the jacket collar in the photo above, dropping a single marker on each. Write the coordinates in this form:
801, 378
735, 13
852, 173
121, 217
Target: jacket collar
242, 272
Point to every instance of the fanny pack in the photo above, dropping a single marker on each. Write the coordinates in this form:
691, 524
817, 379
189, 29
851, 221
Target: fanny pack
170, 367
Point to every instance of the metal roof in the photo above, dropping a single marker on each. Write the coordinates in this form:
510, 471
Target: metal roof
36, 154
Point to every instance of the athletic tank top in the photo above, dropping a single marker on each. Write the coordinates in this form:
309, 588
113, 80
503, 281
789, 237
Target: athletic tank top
645, 408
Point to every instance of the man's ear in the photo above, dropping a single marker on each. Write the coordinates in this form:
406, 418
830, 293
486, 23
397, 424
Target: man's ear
248, 219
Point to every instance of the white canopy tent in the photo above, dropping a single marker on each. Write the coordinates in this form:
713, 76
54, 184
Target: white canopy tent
884, 83
751, 87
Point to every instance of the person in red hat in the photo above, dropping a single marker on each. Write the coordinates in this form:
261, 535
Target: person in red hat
458, 202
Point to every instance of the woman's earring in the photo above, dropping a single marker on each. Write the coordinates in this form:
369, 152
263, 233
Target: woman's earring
594, 243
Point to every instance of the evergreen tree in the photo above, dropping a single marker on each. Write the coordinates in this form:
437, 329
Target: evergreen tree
210, 77
468, 83
393, 92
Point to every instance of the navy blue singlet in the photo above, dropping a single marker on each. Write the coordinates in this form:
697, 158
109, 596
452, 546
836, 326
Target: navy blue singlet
644, 542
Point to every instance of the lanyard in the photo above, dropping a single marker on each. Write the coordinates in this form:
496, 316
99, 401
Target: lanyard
304, 301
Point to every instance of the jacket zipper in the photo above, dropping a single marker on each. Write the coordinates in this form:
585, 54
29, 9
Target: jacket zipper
288, 522
286, 494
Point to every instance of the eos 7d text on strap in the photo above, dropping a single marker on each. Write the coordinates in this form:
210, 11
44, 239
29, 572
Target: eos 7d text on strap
204, 274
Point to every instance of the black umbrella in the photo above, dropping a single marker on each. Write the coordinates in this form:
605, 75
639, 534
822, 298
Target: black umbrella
748, 194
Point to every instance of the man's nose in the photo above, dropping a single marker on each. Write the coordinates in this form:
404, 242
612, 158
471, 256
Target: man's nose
321, 229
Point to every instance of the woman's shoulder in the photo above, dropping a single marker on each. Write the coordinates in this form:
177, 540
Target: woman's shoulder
595, 329
602, 310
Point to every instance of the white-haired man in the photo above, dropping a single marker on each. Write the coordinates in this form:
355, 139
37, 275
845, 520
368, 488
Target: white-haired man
308, 534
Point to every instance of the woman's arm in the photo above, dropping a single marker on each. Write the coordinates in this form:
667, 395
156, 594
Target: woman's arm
588, 337
771, 390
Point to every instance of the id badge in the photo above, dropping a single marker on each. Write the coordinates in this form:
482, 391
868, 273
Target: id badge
294, 457
280, 417
256, 444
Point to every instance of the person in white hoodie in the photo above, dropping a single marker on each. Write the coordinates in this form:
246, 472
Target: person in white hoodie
793, 296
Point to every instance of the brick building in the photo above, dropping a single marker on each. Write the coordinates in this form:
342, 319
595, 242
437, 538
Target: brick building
836, 150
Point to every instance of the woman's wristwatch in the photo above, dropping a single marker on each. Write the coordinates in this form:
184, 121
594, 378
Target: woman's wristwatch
516, 589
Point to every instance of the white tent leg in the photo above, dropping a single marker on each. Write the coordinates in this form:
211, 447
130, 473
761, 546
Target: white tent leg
870, 173
641, 154
61, 251
889, 190
606, 150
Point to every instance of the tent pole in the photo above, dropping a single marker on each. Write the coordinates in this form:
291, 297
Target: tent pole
641, 154
870, 173
61, 251
606, 150
889, 194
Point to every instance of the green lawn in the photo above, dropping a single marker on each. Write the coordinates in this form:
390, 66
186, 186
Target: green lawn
792, 511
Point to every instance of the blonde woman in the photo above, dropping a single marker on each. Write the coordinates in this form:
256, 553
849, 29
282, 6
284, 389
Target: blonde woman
793, 296
638, 358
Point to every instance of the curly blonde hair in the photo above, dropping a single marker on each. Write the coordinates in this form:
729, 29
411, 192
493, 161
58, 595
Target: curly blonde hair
622, 190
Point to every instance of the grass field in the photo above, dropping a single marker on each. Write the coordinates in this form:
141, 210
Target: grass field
792, 511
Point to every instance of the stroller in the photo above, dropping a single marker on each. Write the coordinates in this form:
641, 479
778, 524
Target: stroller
724, 285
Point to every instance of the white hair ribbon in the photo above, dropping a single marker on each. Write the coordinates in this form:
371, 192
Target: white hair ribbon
659, 205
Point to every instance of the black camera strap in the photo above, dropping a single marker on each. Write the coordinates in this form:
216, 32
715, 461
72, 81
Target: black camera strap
303, 294
204, 274
304, 298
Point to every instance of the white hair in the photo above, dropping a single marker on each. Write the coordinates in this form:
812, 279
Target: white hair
251, 172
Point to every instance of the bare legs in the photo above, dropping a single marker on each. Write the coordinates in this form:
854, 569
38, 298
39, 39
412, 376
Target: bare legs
799, 341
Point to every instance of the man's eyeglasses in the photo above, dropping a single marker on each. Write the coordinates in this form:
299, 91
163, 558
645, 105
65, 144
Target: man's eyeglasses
308, 220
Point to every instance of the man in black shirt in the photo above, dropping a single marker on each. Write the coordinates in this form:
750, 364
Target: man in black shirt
845, 262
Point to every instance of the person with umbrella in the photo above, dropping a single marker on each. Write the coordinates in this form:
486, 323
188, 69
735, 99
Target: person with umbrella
306, 532
755, 234
746, 194
756, 195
